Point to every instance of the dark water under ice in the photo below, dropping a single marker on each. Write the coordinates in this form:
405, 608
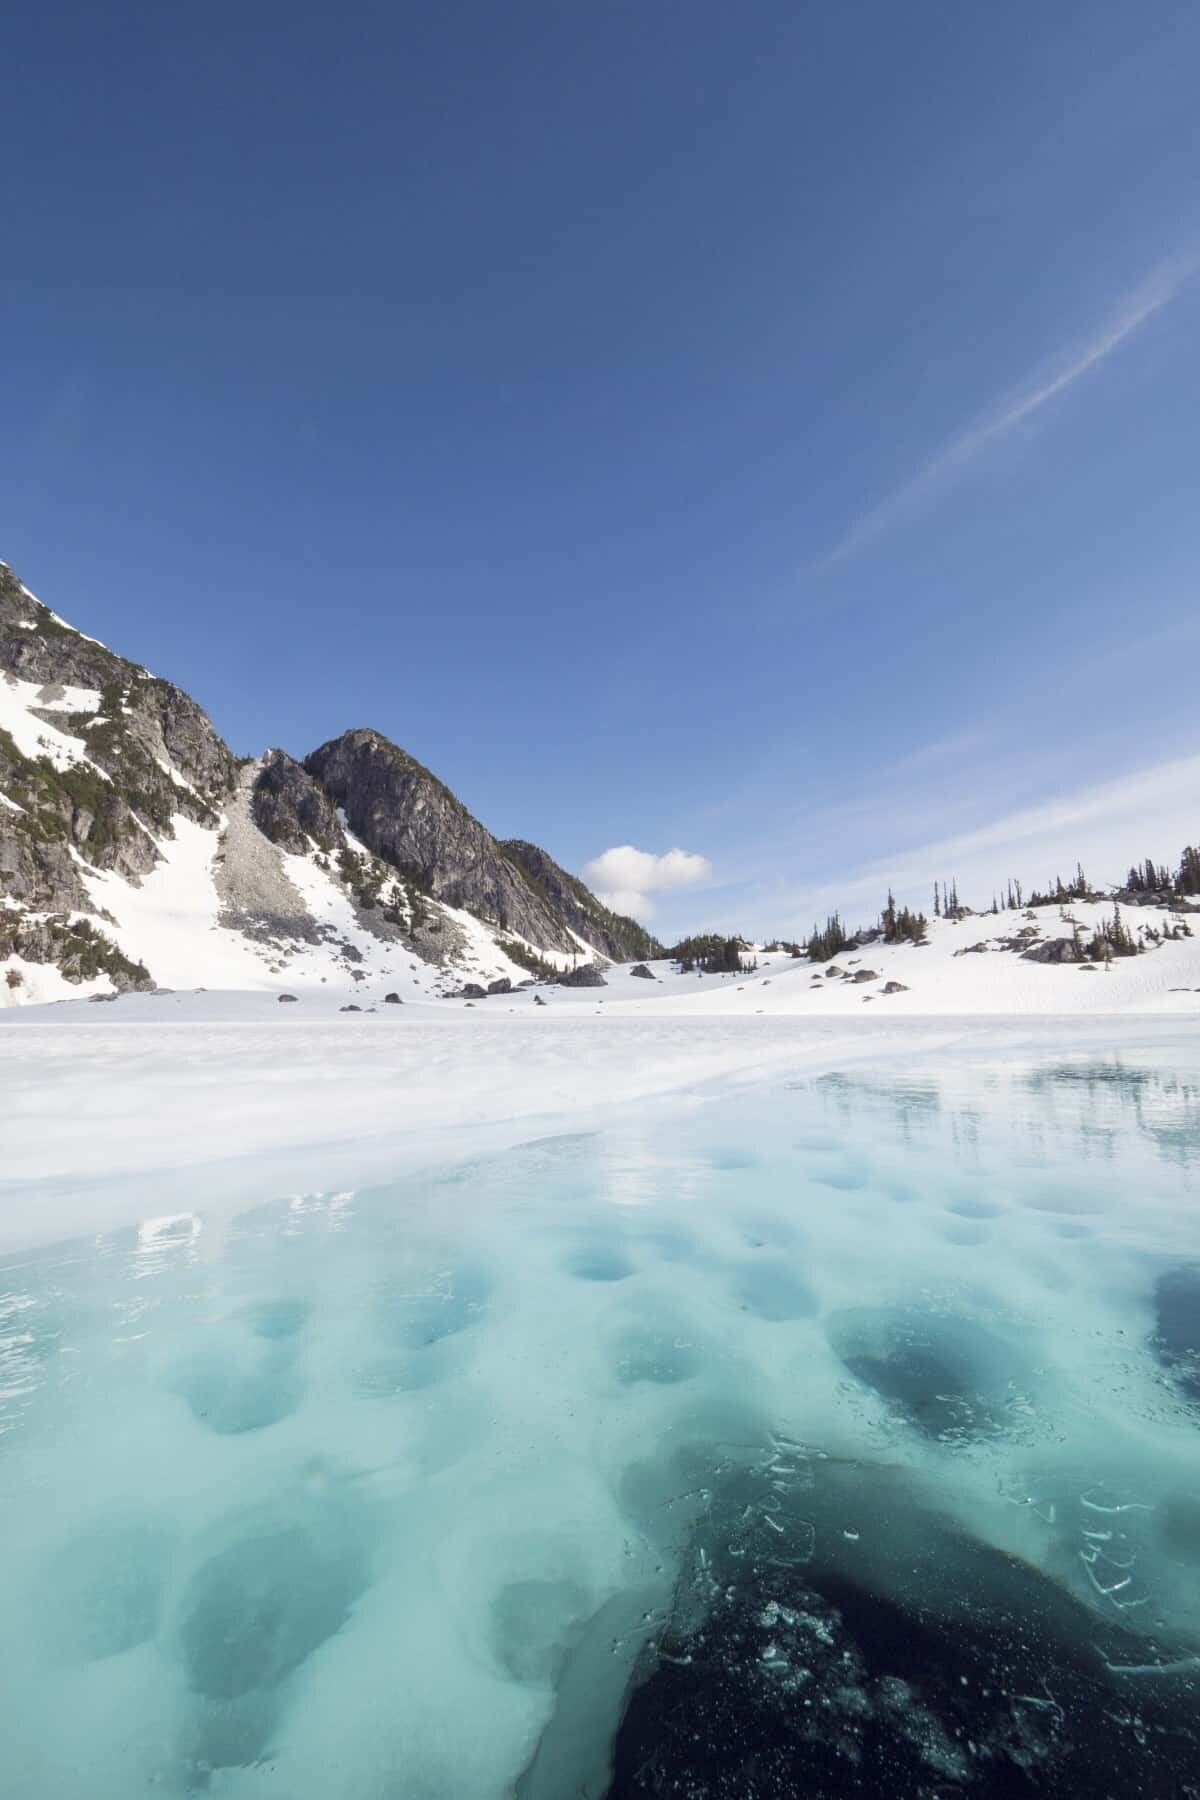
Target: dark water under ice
839, 1440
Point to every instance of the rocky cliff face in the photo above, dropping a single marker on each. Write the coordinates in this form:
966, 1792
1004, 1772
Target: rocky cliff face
412, 820
105, 769
121, 756
146, 754
618, 938
293, 809
140, 723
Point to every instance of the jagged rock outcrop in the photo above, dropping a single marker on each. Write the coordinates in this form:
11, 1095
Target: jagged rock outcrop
76, 947
147, 753
106, 761
615, 936
405, 815
291, 808
142, 722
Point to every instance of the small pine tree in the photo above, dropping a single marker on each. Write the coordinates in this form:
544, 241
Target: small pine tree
823, 945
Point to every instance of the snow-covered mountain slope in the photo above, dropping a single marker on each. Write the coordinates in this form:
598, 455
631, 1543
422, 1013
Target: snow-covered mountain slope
965, 968
136, 851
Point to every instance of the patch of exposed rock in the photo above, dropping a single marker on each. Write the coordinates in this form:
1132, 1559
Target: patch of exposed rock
255, 893
292, 809
1054, 950
587, 975
611, 933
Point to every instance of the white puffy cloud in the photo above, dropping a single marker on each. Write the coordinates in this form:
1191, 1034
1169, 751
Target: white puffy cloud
625, 878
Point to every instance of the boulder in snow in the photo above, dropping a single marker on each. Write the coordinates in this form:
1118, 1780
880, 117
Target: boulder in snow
586, 975
1054, 950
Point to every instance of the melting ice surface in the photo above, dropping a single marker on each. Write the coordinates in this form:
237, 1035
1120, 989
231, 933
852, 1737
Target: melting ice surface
388, 1494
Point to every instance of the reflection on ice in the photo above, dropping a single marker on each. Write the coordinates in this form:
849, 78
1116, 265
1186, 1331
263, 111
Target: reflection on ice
883, 1397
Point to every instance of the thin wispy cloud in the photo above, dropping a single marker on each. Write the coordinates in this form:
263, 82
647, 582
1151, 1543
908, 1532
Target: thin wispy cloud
1106, 825
1157, 291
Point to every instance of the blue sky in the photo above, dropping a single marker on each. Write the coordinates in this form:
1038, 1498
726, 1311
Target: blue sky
767, 432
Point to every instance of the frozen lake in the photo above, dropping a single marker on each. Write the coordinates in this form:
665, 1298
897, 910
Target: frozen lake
866, 1409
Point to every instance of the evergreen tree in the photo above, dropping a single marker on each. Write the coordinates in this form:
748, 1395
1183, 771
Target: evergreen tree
901, 925
823, 945
1113, 938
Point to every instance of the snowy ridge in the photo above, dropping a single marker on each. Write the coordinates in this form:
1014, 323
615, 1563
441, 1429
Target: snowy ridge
188, 894
137, 852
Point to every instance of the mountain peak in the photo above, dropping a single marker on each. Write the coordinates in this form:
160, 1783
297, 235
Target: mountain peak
114, 783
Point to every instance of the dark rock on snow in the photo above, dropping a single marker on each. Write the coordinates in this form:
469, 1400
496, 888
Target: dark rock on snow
471, 990
291, 808
285, 998
642, 972
1054, 950
587, 975
502, 985
392, 1000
